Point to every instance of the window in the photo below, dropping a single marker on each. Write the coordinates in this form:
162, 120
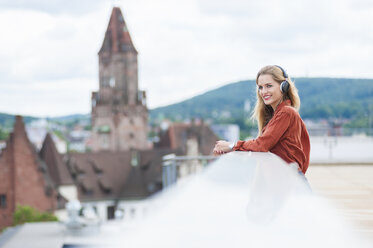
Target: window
48, 190
125, 48
134, 158
105, 82
110, 212
112, 82
104, 141
2, 201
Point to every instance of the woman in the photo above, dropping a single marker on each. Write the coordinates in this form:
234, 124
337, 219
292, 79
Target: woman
281, 129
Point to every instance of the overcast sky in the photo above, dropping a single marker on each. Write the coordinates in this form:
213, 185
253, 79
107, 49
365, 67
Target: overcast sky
48, 48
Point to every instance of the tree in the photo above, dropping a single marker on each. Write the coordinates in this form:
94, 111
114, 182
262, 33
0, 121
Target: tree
3, 134
25, 214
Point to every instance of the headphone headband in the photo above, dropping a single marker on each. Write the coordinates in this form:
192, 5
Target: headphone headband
283, 71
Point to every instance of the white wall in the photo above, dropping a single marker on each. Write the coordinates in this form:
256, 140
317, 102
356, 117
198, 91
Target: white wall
132, 209
345, 149
69, 192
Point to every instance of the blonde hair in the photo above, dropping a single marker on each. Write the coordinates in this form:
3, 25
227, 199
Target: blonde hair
263, 113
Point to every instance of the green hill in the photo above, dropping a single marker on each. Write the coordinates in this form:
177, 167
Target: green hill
7, 120
321, 98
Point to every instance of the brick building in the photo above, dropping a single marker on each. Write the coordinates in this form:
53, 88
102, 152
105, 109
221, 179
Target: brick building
119, 112
24, 177
188, 138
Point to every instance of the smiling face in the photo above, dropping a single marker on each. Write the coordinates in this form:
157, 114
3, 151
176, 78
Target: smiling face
269, 90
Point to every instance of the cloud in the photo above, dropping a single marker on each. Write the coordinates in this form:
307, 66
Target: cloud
48, 98
43, 46
185, 47
54, 6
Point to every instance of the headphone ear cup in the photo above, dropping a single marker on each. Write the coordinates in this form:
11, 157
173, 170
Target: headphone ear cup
284, 87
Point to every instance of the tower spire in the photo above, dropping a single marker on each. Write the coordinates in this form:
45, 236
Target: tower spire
117, 38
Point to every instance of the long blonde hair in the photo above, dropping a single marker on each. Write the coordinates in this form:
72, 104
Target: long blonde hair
263, 113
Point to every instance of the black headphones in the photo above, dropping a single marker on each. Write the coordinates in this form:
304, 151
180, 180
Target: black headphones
284, 86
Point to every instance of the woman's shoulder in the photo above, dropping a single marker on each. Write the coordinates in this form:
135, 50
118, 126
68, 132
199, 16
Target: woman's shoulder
288, 110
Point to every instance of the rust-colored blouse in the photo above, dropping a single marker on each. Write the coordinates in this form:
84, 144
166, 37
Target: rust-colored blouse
285, 135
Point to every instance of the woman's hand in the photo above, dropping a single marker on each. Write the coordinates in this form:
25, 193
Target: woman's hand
221, 147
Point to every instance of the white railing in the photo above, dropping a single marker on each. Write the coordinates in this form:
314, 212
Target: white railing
172, 165
243, 199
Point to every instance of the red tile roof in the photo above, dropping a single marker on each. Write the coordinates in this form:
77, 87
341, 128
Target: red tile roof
115, 175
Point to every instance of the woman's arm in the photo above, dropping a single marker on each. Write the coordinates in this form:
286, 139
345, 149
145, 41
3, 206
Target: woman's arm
273, 132
222, 146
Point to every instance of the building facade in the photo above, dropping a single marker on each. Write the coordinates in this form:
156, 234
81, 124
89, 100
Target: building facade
119, 112
24, 177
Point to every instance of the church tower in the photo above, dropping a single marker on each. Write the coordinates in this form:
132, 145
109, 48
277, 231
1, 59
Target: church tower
119, 112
